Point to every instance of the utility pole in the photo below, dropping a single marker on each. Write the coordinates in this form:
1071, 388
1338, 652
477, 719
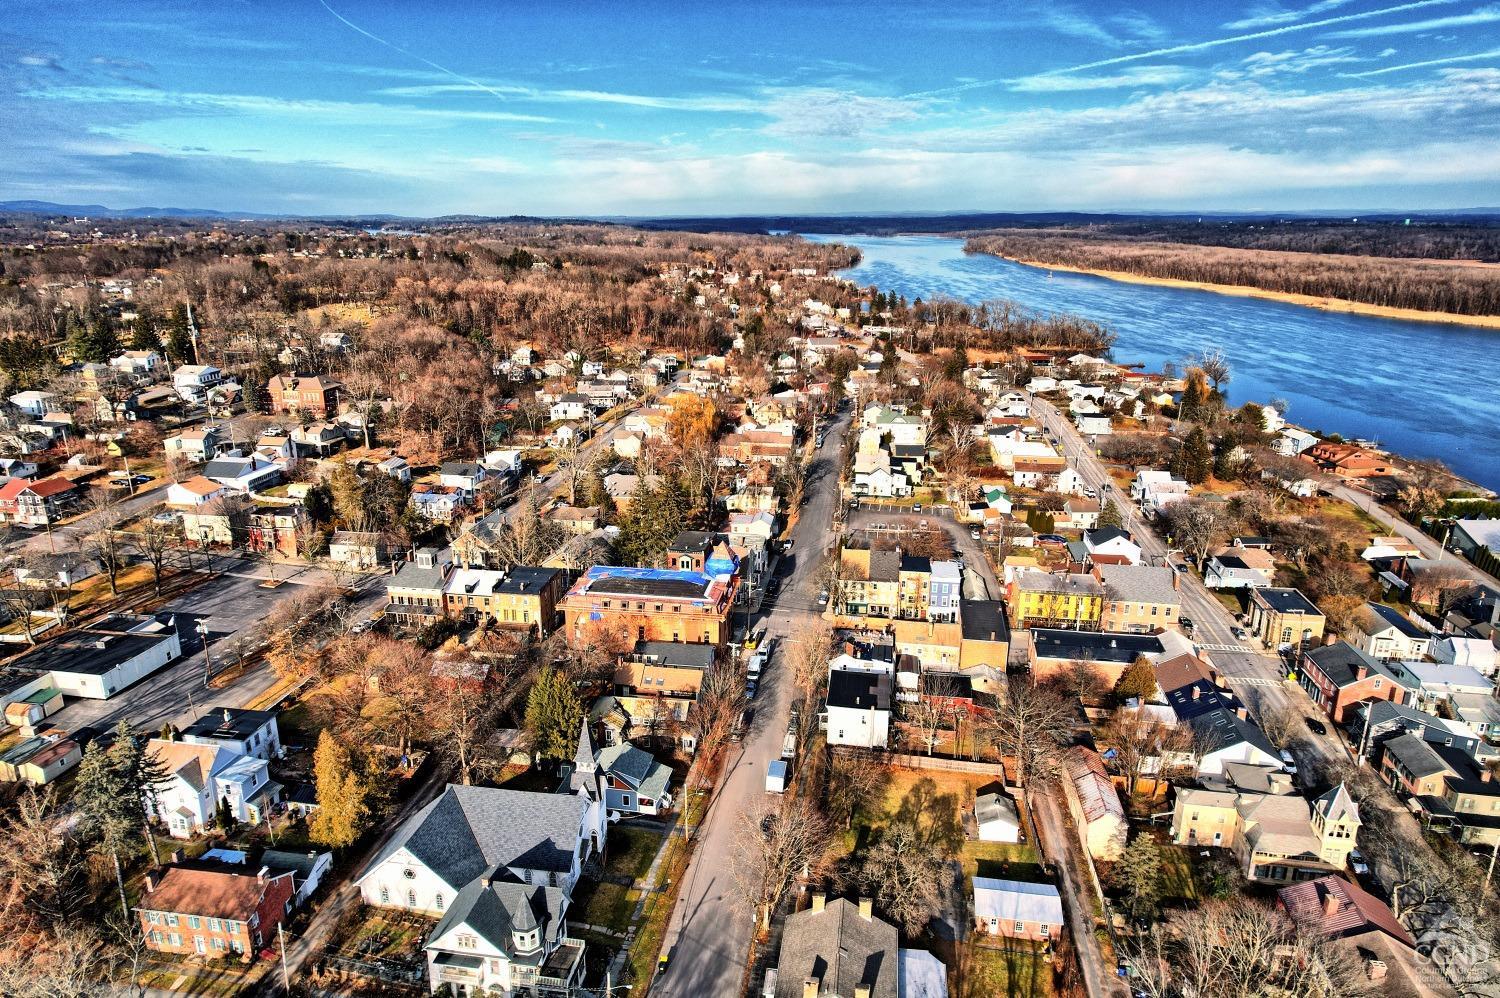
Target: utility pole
286, 982
203, 633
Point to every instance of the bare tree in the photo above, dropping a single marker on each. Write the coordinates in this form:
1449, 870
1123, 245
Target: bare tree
154, 543
105, 543
721, 701
772, 848
1197, 525
853, 782
1214, 367
808, 657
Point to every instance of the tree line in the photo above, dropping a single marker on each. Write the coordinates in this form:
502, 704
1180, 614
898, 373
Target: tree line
1425, 285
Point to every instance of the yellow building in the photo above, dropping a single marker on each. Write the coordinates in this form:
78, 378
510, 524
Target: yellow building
871, 583
1042, 599
1283, 617
912, 584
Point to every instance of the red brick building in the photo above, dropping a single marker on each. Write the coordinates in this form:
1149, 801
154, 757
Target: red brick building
1340, 676
306, 394
210, 912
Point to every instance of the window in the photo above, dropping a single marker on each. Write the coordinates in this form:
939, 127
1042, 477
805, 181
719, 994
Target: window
411, 899
1020, 928
385, 895
409, 874
437, 902
195, 921
213, 925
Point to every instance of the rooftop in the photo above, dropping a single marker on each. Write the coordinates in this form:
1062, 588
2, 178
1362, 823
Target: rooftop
1094, 646
983, 620
1049, 582
657, 583
1287, 601
105, 645
1140, 583
859, 690
210, 893
229, 722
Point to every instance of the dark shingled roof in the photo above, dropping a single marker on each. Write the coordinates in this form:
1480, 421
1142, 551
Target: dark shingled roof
842, 950
496, 909
983, 620
469, 830
1219, 729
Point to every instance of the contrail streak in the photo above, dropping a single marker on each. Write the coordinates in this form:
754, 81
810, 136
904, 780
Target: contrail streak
411, 55
1197, 46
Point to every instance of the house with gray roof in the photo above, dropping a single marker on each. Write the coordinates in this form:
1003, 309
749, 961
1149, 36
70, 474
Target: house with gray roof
502, 935
634, 781
474, 833
837, 948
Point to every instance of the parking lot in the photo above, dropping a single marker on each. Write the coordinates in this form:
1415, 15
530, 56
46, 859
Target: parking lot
893, 521
233, 605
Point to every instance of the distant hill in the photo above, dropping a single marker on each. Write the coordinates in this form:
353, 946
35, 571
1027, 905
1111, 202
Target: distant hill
101, 211
871, 223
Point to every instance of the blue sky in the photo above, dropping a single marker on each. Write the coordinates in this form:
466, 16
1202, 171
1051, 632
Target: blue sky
665, 108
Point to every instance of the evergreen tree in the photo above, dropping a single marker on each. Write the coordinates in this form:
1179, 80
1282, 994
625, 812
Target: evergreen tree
1197, 457
595, 494
553, 716
110, 799
1138, 875
1137, 682
1110, 516
343, 795
179, 340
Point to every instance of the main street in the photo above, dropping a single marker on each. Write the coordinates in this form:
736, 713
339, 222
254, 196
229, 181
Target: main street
708, 936
1259, 678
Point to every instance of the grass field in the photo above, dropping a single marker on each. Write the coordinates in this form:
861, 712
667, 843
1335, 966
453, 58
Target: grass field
1015, 972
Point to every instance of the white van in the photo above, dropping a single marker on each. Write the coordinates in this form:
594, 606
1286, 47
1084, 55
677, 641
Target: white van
776, 777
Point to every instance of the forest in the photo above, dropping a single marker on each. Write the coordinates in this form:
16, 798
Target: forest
1429, 285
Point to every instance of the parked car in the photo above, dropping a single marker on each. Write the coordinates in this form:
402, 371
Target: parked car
1288, 762
823, 598
773, 587
1357, 863
1241, 633
974, 533
916, 507
1316, 726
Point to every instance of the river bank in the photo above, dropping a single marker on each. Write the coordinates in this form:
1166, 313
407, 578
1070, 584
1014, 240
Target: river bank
1387, 379
1341, 305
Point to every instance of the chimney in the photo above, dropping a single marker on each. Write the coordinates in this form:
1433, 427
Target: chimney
1361, 671
818, 900
176, 856
1375, 969
1196, 692
861, 991
866, 909
1242, 713
810, 988
226, 715
150, 882
1330, 904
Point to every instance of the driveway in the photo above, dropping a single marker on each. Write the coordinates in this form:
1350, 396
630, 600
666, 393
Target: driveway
980, 581
709, 932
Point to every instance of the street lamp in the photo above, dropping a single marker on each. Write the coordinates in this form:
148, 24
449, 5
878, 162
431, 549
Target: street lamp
202, 628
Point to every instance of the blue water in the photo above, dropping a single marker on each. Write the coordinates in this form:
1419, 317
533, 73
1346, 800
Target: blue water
1420, 389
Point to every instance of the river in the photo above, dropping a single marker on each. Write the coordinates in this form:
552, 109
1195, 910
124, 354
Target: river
1420, 389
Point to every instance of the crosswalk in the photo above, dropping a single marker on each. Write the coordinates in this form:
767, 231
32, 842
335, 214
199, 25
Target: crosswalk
1252, 681
1242, 648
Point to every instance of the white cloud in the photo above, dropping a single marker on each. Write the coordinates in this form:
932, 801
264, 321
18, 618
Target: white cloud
834, 114
1445, 61
1270, 15
1134, 76
1299, 61
353, 112
1485, 15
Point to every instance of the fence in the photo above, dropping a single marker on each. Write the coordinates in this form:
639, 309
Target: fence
910, 761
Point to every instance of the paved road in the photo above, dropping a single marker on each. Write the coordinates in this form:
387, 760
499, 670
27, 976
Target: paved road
709, 933
1429, 547
1256, 676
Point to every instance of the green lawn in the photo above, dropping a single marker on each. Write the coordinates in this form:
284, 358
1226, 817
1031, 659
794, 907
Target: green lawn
1002, 860
1177, 881
610, 904
1014, 972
